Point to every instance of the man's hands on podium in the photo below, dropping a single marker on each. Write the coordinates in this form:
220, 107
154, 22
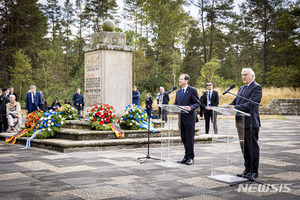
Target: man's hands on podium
188, 108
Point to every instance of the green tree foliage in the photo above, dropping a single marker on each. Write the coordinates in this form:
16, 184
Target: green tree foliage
19, 73
99, 10
23, 26
157, 54
282, 76
262, 14
194, 57
209, 72
80, 24
68, 20
53, 13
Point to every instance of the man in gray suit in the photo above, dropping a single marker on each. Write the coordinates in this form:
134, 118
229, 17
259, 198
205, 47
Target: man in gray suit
251, 90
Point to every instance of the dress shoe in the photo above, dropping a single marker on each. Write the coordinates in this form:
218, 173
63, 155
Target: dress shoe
248, 175
189, 162
243, 173
183, 161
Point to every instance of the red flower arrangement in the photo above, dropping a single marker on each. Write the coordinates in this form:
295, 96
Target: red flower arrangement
101, 115
32, 120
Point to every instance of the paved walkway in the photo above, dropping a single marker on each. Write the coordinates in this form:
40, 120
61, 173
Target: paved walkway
40, 174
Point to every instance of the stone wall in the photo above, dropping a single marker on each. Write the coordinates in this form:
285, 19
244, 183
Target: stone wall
282, 107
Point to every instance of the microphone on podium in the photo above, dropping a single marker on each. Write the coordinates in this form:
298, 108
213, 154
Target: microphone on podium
174, 88
232, 86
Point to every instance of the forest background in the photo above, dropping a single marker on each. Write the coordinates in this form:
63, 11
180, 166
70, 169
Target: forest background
43, 43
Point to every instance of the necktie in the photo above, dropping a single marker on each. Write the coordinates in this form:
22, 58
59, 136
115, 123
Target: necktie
33, 97
245, 88
182, 94
209, 98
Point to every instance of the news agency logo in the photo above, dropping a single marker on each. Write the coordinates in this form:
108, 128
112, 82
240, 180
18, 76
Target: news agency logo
275, 188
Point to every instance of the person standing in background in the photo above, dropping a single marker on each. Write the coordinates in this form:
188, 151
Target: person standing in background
78, 101
4, 99
149, 103
33, 99
164, 98
12, 92
210, 98
135, 96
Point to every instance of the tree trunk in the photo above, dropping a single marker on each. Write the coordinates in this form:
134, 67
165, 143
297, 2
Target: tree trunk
265, 45
252, 52
211, 31
53, 31
67, 61
79, 54
203, 33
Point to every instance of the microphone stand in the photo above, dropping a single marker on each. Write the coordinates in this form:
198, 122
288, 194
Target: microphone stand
148, 154
251, 177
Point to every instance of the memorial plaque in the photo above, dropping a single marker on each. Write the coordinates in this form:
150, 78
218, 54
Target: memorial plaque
93, 78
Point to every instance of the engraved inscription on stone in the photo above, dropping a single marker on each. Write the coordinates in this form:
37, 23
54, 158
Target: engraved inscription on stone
93, 78
92, 84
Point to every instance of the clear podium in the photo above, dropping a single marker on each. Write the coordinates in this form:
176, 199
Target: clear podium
223, 165
170, 133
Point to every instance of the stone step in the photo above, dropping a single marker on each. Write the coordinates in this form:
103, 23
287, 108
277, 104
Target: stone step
66, 146
87, 134
77, 124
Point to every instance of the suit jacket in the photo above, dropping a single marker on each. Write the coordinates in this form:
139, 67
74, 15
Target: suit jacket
29, 105
78, 98
3, 101
166, 98
191, 99
214, 99
136, 98
253, 92
149, 103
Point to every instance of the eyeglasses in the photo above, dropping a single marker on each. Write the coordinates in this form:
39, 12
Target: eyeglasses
208, 85
245, 75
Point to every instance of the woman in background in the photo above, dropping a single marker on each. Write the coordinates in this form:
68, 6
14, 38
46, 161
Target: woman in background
13, 113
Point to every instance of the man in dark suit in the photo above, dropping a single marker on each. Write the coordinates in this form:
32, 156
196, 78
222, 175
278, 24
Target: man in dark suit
4, 99
164, 98
251, 90
33, 99
188, 97
135, 96
78, 101
210, 98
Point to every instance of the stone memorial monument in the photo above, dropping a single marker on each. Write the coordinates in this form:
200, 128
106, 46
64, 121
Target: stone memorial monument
108, 69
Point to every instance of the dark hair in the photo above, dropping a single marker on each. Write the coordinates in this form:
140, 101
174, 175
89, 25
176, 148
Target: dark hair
186, 77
